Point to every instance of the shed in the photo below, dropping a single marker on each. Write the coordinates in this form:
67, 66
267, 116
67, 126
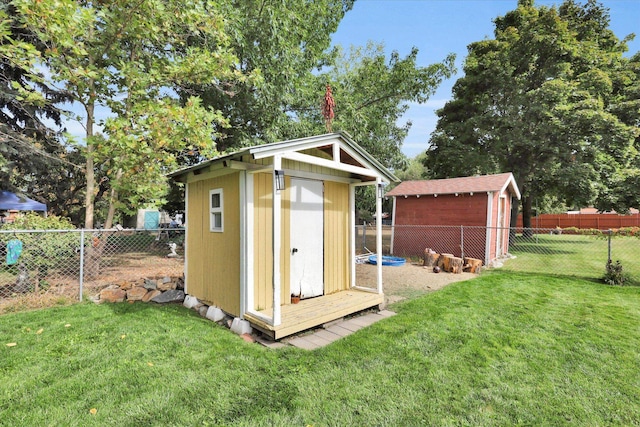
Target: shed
277, 220
480, 203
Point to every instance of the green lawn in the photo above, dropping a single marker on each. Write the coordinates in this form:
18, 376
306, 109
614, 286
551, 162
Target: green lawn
502, 349
573, 255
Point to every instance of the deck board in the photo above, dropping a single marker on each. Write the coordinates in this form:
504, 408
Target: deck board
315, 311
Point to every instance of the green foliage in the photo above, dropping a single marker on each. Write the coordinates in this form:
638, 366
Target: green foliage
133, 60
41, 250
31, 151
614, 275
551, 99
283, 43
414, 169
371, 92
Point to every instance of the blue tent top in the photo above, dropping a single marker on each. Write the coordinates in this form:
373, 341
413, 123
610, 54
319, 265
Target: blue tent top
11, 201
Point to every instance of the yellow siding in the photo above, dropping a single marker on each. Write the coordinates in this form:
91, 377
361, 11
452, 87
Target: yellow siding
336, 237
213, 270
262, 253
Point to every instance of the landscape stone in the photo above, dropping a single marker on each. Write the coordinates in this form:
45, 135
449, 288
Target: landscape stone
170, 296
166, 286
202, 311
136, 293
166, 279
180, 283
151, 294
150, 284
125, 286
190, 301
112, 295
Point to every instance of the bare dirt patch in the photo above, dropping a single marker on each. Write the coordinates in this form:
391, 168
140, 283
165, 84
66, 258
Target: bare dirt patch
116, 269
407, 281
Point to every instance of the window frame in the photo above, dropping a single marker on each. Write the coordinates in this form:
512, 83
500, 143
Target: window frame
213, 211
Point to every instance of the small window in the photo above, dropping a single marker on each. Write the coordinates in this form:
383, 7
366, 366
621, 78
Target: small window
216, 222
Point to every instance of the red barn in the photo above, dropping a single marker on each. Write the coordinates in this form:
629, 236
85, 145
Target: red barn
482, 204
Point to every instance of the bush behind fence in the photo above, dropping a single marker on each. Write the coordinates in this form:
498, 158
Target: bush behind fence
572, 252
66, 261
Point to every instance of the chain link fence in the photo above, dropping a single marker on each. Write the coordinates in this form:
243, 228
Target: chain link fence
572, 252
72, 261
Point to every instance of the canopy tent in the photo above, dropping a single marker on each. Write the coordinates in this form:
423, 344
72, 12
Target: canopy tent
11, 201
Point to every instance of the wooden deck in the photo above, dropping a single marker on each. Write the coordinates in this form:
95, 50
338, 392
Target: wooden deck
315, 311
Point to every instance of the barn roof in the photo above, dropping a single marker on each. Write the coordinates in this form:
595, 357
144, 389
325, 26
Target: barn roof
469, 184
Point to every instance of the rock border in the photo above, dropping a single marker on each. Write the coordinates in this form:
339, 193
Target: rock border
170, 290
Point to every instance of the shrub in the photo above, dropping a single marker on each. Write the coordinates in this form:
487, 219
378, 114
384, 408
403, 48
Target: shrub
614, 275
42, 251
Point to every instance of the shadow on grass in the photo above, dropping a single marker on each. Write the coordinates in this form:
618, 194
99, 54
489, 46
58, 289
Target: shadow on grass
558, 239
538, 249
631, 281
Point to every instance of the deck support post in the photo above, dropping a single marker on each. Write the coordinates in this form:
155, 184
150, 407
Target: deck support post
379, 235
276, 228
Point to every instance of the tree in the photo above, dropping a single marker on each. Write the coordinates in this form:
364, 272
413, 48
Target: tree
371, 92
282, 42
29, 148
545, 100
133, 58
414, 169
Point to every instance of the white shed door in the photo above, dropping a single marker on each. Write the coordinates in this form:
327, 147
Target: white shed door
307, 238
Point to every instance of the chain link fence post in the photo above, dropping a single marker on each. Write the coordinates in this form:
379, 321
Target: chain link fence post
609, 246
81, 266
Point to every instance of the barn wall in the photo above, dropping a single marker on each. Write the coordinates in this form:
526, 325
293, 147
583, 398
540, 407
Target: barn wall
463, 209
213, 266
336, 237
449, 211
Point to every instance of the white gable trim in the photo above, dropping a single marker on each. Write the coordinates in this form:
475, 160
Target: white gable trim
511, 182
313, 160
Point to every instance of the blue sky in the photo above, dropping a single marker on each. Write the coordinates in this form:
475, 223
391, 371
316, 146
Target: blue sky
440, 27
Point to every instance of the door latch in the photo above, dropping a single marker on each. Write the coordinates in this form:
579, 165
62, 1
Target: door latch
294, 250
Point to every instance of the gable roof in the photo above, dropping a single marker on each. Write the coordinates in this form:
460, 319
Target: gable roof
354, 154
469, 184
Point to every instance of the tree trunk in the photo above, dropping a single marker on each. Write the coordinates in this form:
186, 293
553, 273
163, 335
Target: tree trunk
92, 259
446, 262
113, 199
455, 265
515, 209
526, 216
472, 265
430, 258
89, 172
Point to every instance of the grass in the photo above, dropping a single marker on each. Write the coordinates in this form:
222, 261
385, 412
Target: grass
574, 255
502, 349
